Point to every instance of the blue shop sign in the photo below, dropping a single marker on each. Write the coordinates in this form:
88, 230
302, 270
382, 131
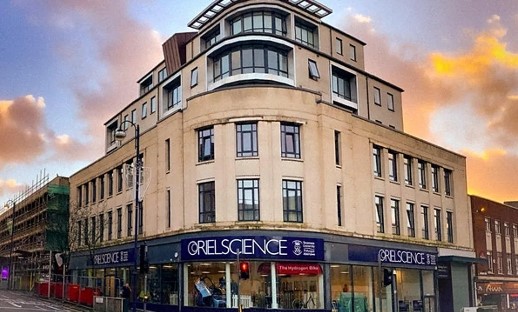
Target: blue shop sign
392, 256
113, 258
257, 247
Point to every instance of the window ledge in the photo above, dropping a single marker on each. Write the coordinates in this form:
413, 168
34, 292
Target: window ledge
251, 77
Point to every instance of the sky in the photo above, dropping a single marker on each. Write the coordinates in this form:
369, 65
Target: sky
67, 67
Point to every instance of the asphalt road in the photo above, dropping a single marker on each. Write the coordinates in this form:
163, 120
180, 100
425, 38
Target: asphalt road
13, 301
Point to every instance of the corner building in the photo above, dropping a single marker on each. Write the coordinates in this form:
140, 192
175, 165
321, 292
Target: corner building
264, 139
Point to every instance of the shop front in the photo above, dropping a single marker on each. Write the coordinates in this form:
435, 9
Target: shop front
281, 272
501, 294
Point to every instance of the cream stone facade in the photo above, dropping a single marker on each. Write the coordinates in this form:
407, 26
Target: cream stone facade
262, 126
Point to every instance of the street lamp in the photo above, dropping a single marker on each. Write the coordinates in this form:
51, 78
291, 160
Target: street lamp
120, 134
11, 271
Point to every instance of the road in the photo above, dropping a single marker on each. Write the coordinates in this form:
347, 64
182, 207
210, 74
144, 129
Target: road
14, 301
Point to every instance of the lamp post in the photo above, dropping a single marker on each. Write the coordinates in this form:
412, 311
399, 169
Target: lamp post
11, 271
120, 134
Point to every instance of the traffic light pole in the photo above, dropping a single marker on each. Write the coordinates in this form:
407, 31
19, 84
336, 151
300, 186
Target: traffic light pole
239, 309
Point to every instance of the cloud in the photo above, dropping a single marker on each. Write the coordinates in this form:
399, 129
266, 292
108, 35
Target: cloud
22, 129
10, 186
466, 101
108, 51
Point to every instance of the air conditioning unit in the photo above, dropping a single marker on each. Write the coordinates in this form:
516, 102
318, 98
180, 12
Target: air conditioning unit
469, 309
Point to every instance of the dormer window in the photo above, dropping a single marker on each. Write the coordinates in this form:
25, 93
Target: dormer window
259, 22
173, 93
306, 33
211, 38
146, 85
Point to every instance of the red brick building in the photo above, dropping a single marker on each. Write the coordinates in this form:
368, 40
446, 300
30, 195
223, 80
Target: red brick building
495, 228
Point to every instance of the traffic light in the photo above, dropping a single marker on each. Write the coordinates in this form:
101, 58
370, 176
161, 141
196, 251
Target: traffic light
144, 264
387, 277
244, 270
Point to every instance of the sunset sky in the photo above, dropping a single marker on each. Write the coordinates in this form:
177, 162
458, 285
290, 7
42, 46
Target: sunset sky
66, 67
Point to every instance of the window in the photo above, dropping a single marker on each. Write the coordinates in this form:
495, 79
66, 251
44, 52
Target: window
146, 85
162, 74
509, 264
390, 102
498, 230
168, 208
86, 229
125, 124
352, 51
128, 167
101, 187
207, 202
499, 263
110, 225
394, 207
259, 22
290, 140
447, 182
194, 77
167, 155
449, 226
246, 140
129, 210
111, 129
392, 159
507, 232
292, 201
248, 200
376, 161
339, 46
79, 233
344, 85
140, 217
153, 105
515, 231
488, 225
435, 178
211, 38
409, 171
94, 191
313, 70
338, 147
306, 34
377, 96
490, 267
94, 230
79, 196
174, 94
410, 219
87, 193
424, 219
110, 183
421, 170
101, 227
339, 204
380, 222
119, 222
120, 173
144, 110
134, 116
206, 144
437, 224
246, 59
